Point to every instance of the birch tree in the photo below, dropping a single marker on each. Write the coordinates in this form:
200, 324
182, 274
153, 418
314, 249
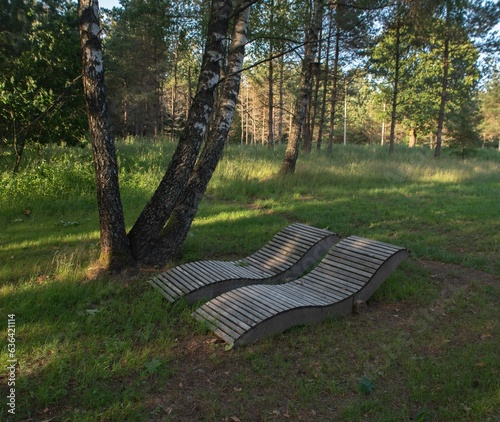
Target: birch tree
115, 248
177, 197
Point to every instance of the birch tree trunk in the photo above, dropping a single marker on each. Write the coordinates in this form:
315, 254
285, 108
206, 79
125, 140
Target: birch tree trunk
177, 228
115, 250
147, 232
300, 109
319, 139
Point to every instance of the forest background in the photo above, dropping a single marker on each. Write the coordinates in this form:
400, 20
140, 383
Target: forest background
308, 67
378, 75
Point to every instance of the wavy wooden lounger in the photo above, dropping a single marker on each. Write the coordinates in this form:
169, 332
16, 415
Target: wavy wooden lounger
347, 276
288, 255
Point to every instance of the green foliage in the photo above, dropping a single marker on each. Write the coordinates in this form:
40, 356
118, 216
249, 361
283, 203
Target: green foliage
152, 57
490, 108
421, 68
40, 98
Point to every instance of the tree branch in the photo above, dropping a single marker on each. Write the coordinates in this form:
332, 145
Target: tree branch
51, 107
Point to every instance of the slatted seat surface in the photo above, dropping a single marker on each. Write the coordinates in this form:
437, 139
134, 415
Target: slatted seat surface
286, 256
351, 272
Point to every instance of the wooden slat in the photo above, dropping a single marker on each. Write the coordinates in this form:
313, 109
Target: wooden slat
341, 266
311, 296
288, 252
354, 279
287, 298
179, 282
345, 271
171, 285
219, 271
354, 259
245, 301
222, 331
226, 318
258, 297
371, 248
260, 262
203, 270
169, 293
335, 284
321, 290
309, 230
271, 264
186, 275
294, 247
340, 263
272, 301
273, 260
377, 242
236, 310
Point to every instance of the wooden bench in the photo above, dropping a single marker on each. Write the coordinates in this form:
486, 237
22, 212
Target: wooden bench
288, 255
348, 275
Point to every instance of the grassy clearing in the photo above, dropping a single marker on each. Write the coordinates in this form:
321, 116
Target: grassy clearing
113, 349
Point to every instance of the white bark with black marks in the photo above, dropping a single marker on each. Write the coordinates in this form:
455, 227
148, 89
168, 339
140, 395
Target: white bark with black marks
146, 234
115, 250
178, 226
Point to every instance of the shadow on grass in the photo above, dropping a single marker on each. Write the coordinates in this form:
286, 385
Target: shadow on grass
90, 347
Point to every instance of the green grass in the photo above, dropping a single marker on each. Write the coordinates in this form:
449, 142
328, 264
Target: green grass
114, 349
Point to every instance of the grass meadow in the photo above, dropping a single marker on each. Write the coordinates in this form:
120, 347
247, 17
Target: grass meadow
94, 348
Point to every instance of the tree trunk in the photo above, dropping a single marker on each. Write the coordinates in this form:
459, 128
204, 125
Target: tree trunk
300, 109
146, 233
413, 138
345, 110
319, 139
270, 120
314, 98
19, 144
331, 134
382, 138
444, 96
395, 91
189, 93
115, 250
306, 128
281, 102
19, 149
173, 115
180, 221
124, 112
